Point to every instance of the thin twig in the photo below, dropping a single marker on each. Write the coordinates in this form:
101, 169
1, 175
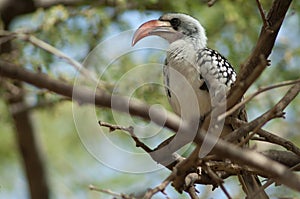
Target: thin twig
270, 182
47, 47
161, 187
113, 127
276, 111
250, 135
262, 14
217, 179
225, 191
109, 192
272, 138
130, 130
250, 97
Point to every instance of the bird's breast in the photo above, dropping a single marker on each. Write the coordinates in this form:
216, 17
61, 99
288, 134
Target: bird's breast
184, 86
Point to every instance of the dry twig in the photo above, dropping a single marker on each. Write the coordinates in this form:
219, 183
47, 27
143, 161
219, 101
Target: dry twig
262, 14
109, 192
51, 49
272, 138
219, 181
253, 66
276, 111
130, 130
259, 91
160, 188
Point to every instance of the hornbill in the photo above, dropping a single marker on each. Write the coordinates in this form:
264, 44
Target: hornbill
193, 70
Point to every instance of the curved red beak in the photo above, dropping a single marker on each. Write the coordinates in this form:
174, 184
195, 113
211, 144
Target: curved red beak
154, 27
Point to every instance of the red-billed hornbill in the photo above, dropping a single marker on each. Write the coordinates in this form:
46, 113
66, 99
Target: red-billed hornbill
206, 71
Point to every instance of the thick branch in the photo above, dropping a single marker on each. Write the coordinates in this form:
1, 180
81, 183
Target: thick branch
256, 63
86, 95
285, 157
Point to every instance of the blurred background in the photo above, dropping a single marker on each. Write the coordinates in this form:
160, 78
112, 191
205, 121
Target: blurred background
98, 34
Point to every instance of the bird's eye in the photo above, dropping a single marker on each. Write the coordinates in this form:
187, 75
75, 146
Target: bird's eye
175, 22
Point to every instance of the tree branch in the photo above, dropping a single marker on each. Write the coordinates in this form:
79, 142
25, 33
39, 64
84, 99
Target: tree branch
85, 95
130, 130
222, 148
30, 151
114, 194
256, 63
159, 188
47, 47
274, 139
250, 97
272, 113
262, 14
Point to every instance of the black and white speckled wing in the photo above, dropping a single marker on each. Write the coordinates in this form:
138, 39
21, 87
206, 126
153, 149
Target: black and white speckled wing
215, 69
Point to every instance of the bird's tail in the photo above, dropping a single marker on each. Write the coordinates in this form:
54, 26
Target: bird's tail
252, 186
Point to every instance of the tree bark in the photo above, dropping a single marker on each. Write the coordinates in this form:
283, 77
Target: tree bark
29, 149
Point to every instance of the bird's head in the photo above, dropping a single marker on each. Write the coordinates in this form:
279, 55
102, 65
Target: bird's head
173, 27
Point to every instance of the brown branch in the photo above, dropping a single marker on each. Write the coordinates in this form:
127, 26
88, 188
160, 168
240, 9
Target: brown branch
30, 151
85, 95
287, 158
47, 47
276, 111
262, 13
259, 91
219, 181
255, 64
130, 130
274, 139
284, 157
271, 181
160, 188
226, 169
247, 157
113, 127
109, 192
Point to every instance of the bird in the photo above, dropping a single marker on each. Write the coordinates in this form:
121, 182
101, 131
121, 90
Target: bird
196, 77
